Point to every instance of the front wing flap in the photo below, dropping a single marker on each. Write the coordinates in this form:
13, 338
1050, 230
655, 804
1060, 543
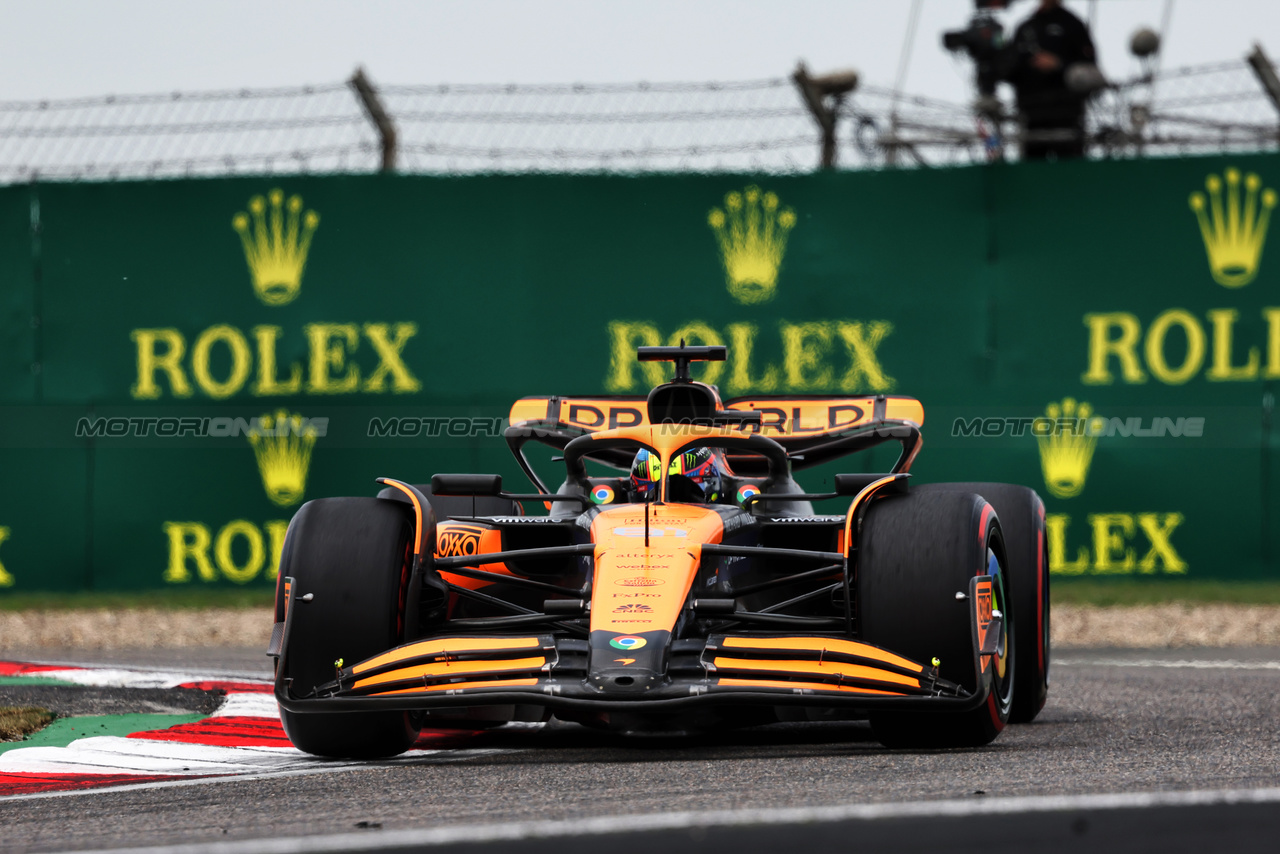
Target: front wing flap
541, 669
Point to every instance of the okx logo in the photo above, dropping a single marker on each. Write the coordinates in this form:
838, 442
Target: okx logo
457, 540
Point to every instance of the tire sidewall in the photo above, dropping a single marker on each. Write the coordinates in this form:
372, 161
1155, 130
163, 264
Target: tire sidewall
1022, 520
349, 554
916, 554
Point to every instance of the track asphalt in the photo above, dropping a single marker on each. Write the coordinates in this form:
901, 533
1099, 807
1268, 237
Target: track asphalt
1137, 750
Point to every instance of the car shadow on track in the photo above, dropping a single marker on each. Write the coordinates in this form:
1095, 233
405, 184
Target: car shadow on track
571, 743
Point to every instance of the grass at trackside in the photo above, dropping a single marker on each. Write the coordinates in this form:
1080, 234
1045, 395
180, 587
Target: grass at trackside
63, 731
185, 598
1124, 591
18, 722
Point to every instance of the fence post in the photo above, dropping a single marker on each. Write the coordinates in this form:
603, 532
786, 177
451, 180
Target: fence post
824, 96
1266, 74
378, 116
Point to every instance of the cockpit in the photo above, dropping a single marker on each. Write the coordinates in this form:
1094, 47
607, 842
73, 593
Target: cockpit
694, 475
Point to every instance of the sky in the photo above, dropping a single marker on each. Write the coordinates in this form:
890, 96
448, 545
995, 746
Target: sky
68, 48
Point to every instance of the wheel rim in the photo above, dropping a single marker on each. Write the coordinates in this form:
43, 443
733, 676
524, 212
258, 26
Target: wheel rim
1003, 661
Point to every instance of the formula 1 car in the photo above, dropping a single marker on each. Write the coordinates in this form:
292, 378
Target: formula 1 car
701, 591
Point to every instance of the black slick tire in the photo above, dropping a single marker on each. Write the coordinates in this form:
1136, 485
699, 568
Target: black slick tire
1022, 524
351, 555
916, 552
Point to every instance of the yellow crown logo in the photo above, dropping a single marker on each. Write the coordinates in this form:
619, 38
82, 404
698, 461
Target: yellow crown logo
752, 232
1066, 446
276, 245
282, 444
1233, 237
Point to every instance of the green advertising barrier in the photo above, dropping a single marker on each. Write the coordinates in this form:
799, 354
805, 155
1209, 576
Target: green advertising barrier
1106, 332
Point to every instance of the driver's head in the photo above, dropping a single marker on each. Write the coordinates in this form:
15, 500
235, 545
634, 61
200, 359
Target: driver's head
696, 464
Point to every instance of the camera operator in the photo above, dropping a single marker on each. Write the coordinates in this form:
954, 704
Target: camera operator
1044, 47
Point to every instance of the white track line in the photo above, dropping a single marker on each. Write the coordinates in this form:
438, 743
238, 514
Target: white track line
248, 705
1195, 664
609, 825
322, 766
213, 674
104, 755
129, 677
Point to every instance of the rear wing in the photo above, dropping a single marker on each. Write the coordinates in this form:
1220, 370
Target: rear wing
813, 428
783, 417
817, 429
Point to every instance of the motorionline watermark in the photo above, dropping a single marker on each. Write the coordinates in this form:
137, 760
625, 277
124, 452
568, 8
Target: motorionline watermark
284, 424
458, 427
219, 427
1092, 427
432, 426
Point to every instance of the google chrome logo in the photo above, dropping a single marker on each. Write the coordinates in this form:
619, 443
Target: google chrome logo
602, 494
627, 642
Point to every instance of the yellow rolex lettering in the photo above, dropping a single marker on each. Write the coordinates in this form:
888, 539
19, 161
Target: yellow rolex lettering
1159, 527
1272, 370
1111, 534
330, 344
240, 361
1155, 347
699, 334
810, 361
388, 342
804, 348
625, 337
223, 551
267, 383
861, 341
188, 541
1103, 346
150, 360
6, 580
1056, 525
1223, 320
276, 529
742, 339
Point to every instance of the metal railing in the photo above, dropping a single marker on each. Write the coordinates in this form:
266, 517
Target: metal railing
778, 125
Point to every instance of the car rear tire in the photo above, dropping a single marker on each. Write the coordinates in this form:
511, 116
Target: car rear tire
1021, 515
916, 552
352, 555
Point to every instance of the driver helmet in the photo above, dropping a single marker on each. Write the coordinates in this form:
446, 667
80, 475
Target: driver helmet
697, 464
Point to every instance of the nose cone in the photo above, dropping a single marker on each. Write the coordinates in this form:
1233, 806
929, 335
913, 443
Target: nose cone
627, 664
625, 680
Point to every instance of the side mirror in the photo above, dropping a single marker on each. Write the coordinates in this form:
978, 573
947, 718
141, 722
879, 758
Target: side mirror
466, 484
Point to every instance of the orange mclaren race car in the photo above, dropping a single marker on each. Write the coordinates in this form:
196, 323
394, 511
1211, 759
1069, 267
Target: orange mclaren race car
693, 587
